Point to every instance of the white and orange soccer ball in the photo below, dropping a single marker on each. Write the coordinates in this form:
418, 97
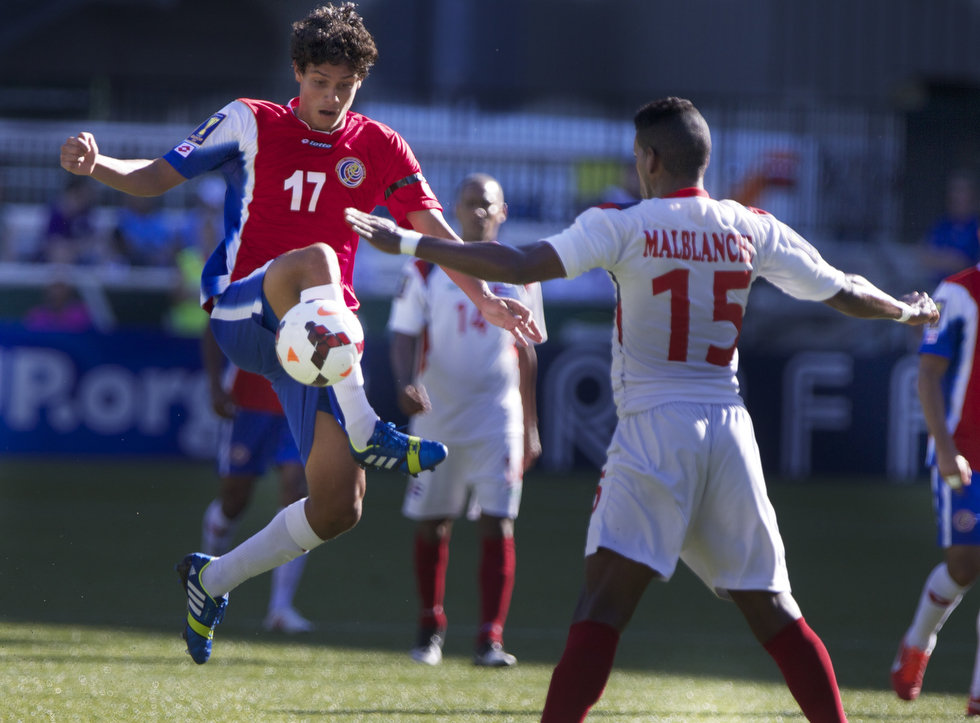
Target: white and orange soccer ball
319, 342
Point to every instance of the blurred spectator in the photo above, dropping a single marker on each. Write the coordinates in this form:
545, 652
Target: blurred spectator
775, 169
626, 190
953, 243
8, 252
205, 221
61, 309
201, 233
142, 234
71, 237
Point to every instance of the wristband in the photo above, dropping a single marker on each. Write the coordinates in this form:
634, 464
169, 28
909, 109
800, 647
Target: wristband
906, 313
409, 242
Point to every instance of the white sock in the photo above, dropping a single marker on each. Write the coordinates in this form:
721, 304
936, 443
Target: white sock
285, 580
331, 292
940, 596
285, 538
359, 415
217, 530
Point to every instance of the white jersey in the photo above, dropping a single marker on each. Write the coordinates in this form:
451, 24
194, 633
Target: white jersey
469, 366
682, 266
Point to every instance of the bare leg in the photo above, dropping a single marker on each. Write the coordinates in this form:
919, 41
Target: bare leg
613, 587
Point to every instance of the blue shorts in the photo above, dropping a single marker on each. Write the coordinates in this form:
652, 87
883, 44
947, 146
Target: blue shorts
244, 326
957, 513
252, 442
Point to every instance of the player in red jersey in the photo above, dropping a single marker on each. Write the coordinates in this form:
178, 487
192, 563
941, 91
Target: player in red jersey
683, 480
949, 389
290, 169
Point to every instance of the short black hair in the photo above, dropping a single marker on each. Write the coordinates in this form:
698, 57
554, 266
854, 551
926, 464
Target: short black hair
333, 34
679, 134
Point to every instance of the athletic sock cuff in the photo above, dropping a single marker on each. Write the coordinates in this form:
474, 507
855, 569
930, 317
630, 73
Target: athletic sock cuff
331, 292
299, 527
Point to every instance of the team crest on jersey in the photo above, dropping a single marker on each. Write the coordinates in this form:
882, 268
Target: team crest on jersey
351, 171
964, 521
205, 129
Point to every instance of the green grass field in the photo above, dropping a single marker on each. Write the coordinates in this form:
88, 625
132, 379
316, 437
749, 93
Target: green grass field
90, 610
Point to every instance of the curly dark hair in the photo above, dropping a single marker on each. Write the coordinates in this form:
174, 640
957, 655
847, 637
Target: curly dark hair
677, 131
333, 34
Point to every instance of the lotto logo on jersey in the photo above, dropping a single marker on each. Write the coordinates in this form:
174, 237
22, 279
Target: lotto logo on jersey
351, 172
206, 128
184, 149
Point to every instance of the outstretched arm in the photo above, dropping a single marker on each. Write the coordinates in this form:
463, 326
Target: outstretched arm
863, 299
483, 259
137, 177
505, 313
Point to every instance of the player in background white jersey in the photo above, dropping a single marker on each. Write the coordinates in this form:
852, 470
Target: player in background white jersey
465, 382
683, 479
949, 389
289, 170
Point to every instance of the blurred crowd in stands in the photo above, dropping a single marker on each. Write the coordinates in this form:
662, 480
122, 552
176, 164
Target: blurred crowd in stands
141, 234
77, 232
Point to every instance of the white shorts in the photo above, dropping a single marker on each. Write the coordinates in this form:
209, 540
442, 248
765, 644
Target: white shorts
684, 481
484, 476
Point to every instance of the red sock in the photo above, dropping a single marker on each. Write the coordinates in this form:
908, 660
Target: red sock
581, 674
809, 674
497, 563
431, 561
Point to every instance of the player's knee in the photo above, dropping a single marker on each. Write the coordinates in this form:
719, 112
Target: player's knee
334, 518
321, 260
496, 528
964, 565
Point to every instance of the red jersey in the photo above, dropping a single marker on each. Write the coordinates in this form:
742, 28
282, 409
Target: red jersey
288, 185
254, 392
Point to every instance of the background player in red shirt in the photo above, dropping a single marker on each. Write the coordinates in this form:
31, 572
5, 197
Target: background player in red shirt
949, 389
290, 169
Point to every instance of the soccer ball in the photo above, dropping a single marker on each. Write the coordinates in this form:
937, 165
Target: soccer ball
319, 342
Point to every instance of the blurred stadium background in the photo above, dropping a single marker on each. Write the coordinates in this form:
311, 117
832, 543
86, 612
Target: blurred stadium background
844, 119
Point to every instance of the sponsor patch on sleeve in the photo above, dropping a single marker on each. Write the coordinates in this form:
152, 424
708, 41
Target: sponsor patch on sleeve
205, 129
184, 149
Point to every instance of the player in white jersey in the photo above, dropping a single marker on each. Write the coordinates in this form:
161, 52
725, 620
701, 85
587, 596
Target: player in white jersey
949, 389
464, 380
683, 479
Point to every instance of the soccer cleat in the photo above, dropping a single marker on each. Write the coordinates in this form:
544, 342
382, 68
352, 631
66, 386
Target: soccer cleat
429, 648
287, 620
973, 707
390, 449
908, 670
491, 654
203, 611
